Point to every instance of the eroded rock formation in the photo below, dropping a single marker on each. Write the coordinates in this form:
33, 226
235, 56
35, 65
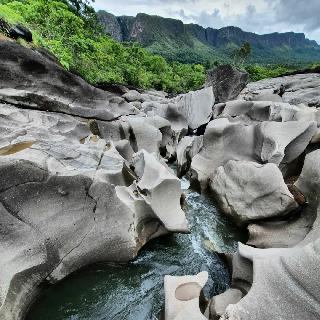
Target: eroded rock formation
261, 159
82, 180
278, 279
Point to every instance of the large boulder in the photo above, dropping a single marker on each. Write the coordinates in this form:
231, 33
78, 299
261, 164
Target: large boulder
309, 184
160, 189
218, 304
248, 191
258, 111
222, 141
152, 133
283, 142
282, 233
309, 180
264, 142
196, 106
32, 80
227, 82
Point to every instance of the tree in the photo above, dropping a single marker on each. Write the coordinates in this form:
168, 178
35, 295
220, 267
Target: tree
243, 53
80, 6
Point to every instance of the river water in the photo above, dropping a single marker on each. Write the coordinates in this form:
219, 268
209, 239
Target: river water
135, 291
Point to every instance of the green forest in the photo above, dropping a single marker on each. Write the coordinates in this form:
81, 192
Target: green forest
73, 35
70, 30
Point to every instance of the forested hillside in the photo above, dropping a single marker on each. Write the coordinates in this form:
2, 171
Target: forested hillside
70, 30
191, 43
149, 51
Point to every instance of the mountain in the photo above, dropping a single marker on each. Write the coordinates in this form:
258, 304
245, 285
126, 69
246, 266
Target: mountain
192, 43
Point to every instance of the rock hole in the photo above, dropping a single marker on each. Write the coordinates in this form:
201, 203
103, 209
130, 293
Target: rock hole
188, 291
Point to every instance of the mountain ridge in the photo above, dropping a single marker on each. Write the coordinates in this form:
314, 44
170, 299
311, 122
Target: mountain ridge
171, 38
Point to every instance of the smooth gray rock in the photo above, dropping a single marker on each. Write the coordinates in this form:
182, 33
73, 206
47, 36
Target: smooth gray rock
287, 275
152, 133
133, 95
300, 88
235, 108
196, 106
66, 205
258, 111
264, 142
19, 125
248, 191
268, 96
124, 148
218, 304
222, 141
182, 296
31, 80
241, 272
144, 135
283, 142
227, 82
309, 184
280, 234
155, 181
170, 112
308, 114
309, 179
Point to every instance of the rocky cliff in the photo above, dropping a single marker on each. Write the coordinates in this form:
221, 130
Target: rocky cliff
159, 34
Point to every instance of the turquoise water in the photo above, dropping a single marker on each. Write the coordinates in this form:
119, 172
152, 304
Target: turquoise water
135, 291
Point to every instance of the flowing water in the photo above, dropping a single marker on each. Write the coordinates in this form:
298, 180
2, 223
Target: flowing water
135, 291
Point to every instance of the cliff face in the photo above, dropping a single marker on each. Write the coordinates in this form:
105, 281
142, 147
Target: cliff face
156, 32
111, 25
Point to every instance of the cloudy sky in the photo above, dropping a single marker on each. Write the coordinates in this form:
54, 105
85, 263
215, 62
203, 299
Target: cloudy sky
260, 16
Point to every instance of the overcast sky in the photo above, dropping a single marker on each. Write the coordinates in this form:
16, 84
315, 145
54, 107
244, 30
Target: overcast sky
260, 16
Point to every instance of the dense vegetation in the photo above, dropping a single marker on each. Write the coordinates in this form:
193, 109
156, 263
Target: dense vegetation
71, 31
189, 43
73, 35
259, 72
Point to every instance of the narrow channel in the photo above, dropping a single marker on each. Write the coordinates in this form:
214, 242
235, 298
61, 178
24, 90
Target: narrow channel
135, 291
